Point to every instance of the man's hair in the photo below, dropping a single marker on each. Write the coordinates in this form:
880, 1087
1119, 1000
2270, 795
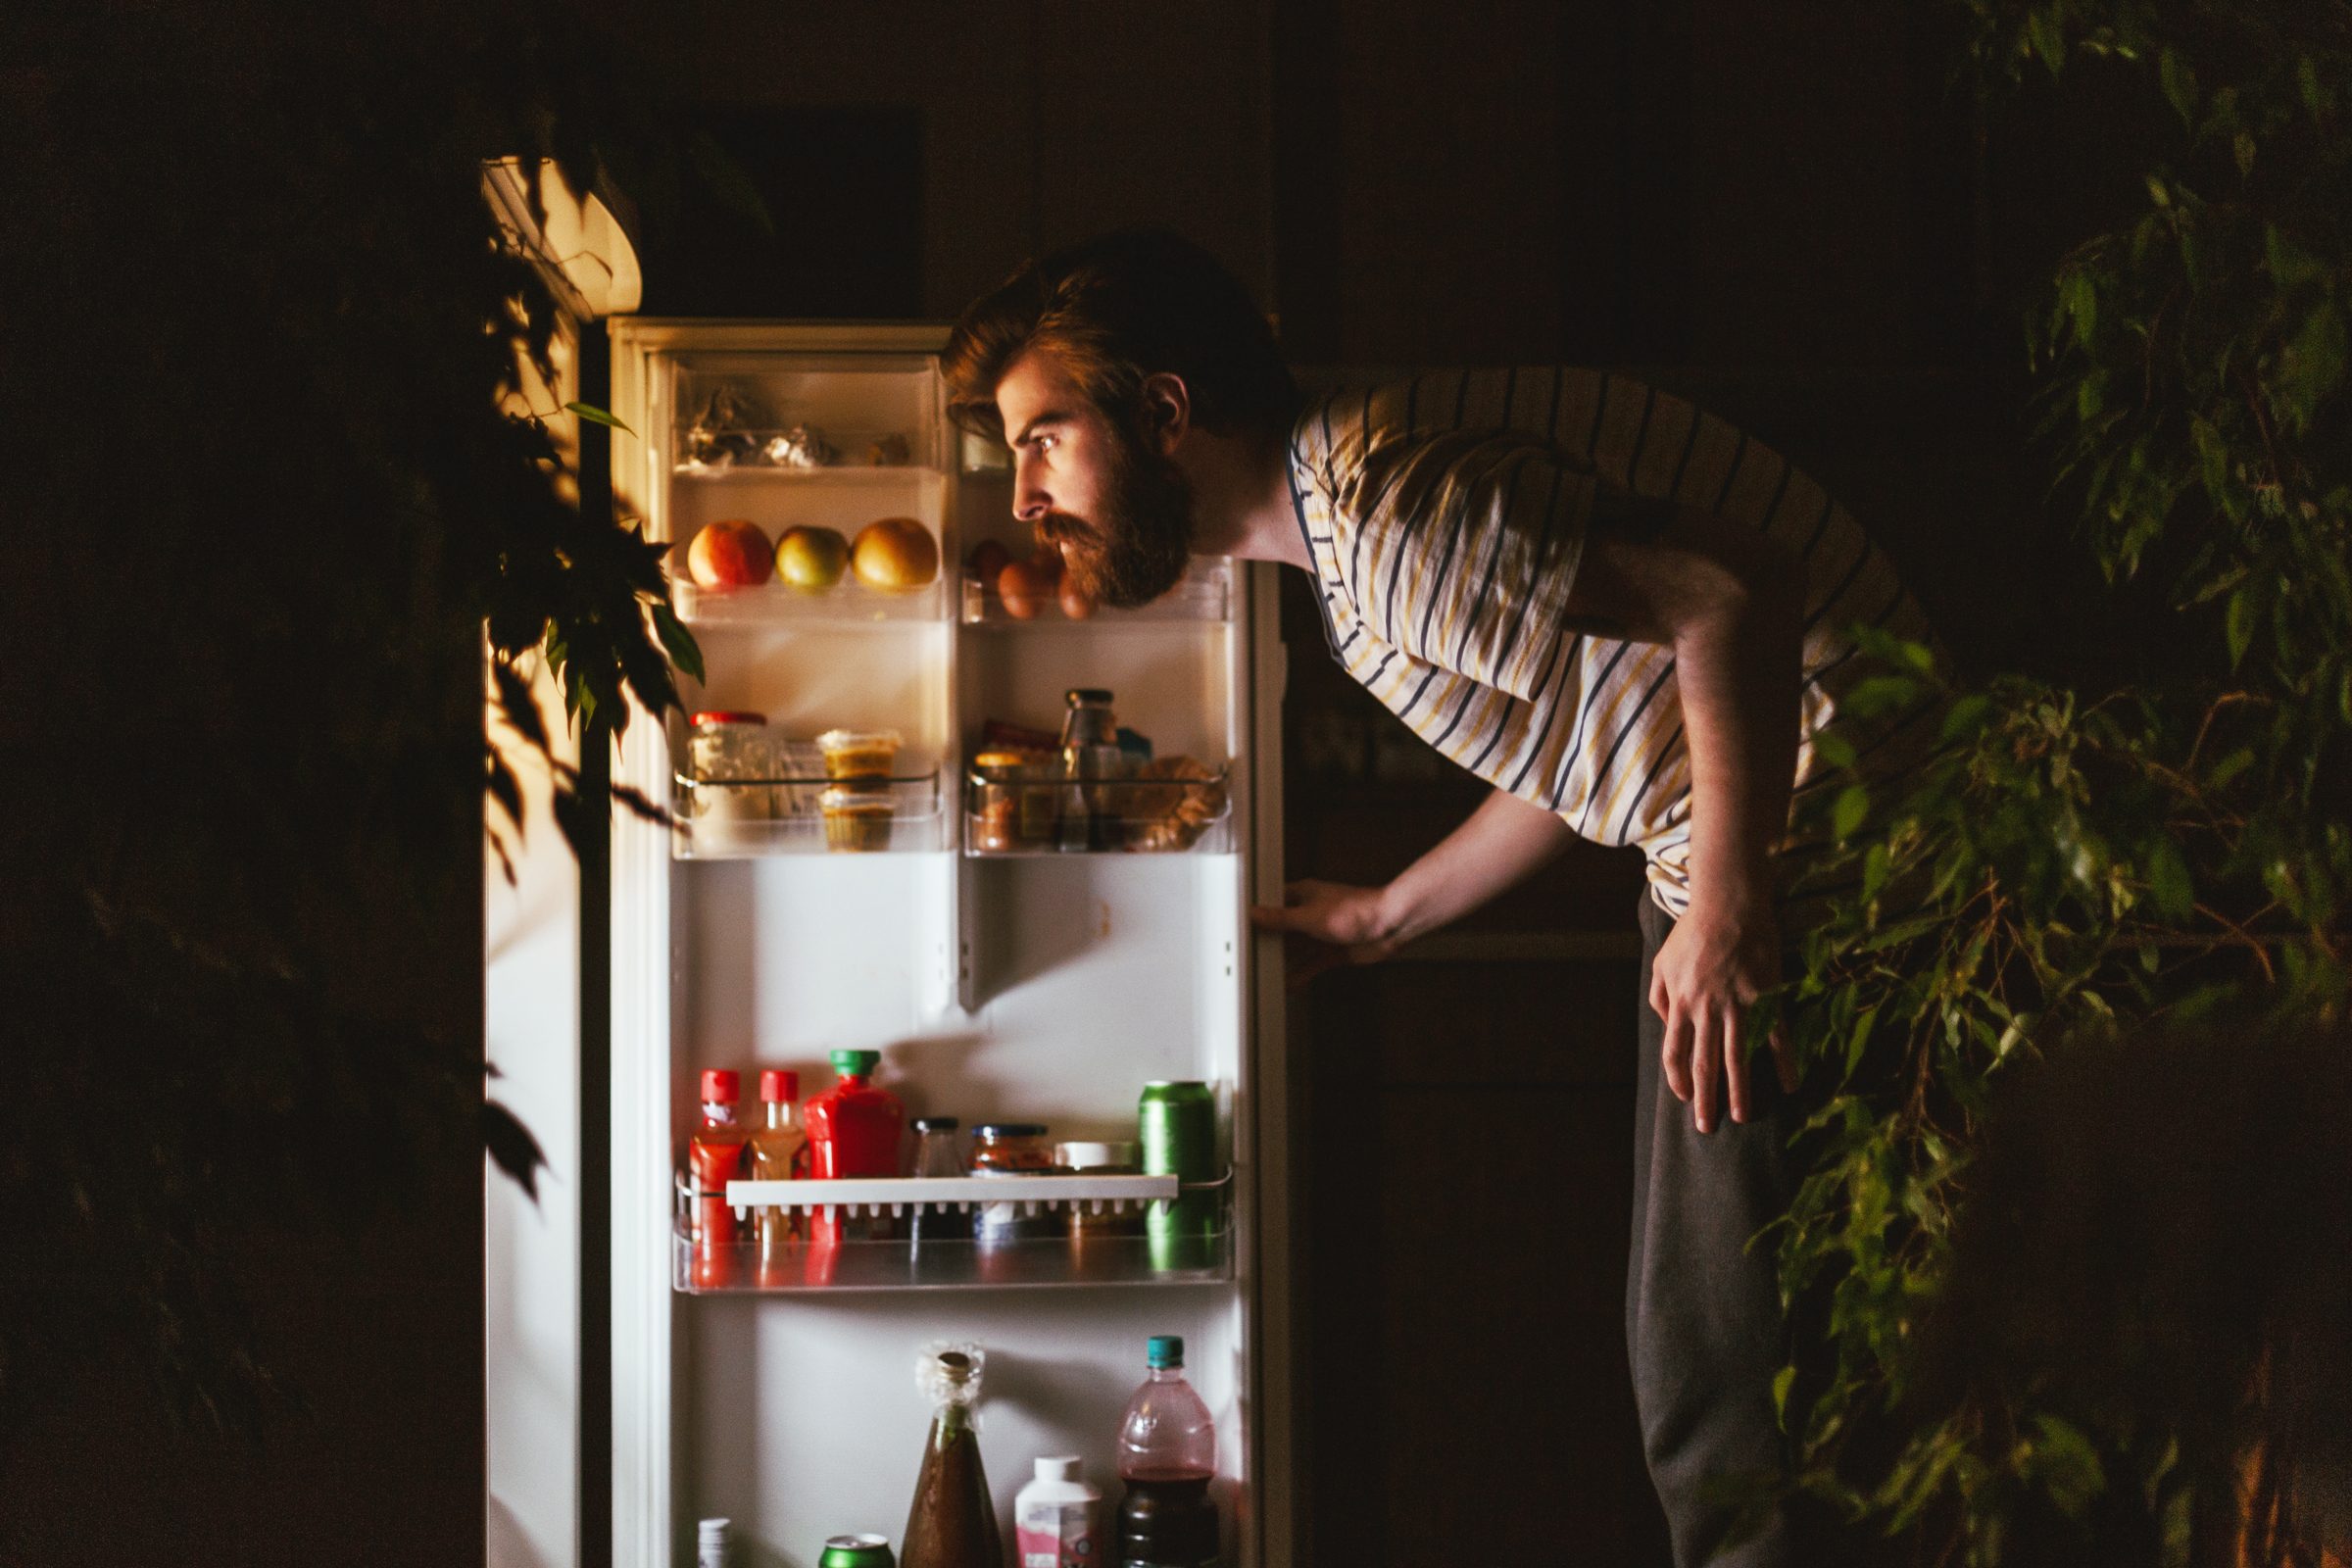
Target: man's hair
1113, 310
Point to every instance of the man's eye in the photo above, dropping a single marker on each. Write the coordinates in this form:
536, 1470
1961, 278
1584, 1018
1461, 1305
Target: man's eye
1045, 442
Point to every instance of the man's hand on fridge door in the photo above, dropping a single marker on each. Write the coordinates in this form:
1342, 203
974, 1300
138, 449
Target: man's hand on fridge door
1326, 924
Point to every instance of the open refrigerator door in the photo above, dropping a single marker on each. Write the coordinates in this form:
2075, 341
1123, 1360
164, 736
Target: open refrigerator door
878, 842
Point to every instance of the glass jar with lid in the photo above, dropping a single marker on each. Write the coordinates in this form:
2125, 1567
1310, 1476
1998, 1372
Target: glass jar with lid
1009, 809
727, 761
1013, 1150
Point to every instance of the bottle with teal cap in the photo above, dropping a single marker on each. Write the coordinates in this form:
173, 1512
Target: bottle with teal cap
1167, 1458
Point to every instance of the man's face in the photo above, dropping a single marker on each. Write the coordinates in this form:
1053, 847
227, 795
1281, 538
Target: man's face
1120, 509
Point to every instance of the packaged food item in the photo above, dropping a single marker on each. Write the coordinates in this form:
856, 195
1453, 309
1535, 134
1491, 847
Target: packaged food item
726, 752
996, 735
1175, 801
936, 1154
719, 435
1167, 1458
887, 451
1087, 1222
1056, 1519
857, 819
804, 446
1013, 802
713, 1157
859, 753
779, 1152
1013, 1150
1091, 758
951, 1522
854, 1129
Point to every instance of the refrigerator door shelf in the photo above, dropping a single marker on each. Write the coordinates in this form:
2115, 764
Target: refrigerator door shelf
805, 1263
1099, 1192
1202, 598
1009, 819
743, 819
847, 604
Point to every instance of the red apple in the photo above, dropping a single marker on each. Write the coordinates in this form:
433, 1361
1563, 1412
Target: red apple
729, 554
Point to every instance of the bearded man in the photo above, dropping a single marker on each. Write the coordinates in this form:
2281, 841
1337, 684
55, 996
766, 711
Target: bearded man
1627, 617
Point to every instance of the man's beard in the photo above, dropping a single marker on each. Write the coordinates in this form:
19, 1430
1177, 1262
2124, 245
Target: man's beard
1139, 547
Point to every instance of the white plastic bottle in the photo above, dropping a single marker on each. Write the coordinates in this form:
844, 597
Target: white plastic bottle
710, 1543
1058, 1517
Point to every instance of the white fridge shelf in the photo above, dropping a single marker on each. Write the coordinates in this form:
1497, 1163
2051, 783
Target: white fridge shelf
1202, 598
773, 603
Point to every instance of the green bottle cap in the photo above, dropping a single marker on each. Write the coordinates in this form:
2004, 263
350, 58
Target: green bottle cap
1162, 1350
856, 1063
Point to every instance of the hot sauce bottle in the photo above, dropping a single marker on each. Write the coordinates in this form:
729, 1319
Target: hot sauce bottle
778, 1153
713, 1157
854, 1129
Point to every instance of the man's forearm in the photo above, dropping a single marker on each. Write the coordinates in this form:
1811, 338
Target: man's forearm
1737, 668
1496, 846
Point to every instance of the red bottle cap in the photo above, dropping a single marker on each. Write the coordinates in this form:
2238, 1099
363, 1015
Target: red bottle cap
779, 1085
719, 1085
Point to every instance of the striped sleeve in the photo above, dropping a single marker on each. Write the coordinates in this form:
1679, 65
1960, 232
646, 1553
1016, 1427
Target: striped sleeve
1466, 547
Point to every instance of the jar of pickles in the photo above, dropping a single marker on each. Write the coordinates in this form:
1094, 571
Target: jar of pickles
727, 761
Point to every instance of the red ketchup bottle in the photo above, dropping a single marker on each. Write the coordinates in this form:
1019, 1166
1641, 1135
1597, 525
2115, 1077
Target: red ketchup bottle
854, 1129
713, 1157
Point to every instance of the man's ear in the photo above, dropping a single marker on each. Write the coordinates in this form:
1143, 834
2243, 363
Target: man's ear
1168, 410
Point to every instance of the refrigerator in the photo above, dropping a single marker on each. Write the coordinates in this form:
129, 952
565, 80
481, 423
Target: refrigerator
1004, 973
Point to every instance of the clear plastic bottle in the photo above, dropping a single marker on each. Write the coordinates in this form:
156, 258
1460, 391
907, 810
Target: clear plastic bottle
1167, 1433
936, 1154
1168, 1457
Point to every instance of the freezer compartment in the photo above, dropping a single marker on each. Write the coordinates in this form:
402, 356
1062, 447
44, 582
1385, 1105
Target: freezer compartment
817, 416
830, 1245
1177, 806
739, 818
1203, 596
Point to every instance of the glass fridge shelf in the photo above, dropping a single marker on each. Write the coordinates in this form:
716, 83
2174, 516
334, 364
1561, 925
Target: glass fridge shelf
1204, 597
847, 602
743, 818
1011, 812
877, 1243
765, 453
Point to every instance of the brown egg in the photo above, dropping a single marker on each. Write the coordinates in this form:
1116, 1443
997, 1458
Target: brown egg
987, 559
1075, 605
1026, 590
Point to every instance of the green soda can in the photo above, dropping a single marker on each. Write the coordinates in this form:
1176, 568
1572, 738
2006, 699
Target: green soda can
1179, 1126
856, 1551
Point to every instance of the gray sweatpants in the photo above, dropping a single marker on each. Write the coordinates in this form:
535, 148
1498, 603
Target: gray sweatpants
1704, 1327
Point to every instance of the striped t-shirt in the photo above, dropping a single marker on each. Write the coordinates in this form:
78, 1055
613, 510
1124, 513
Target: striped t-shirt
1445, 517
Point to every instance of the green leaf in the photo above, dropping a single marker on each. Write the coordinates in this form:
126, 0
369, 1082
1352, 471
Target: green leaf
2315, 360
1782, 1382
2241, 147
596, 415
1963, 716
1852, 806
2066, 1464
2157, 192
2169, 881
2042, 30
676, 641
2180, 85
2237, 624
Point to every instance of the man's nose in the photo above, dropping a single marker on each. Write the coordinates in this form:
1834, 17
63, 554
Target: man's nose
1029, 503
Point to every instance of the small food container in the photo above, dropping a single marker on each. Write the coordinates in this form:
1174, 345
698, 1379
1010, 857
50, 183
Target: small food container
1008, 813
726, 754
1013, 1150
857, 818
859, 753
1101, 1159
